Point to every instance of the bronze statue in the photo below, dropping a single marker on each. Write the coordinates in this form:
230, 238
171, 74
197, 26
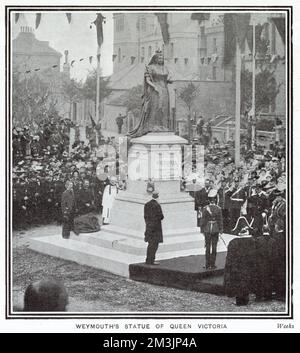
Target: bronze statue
155, 106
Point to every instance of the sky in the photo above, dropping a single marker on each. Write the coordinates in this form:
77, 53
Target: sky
77, 37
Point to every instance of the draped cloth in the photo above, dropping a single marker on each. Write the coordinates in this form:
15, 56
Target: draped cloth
87, 223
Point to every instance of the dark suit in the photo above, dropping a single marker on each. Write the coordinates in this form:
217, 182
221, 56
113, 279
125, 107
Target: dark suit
68, 206
212, 225
201, 200
153, 234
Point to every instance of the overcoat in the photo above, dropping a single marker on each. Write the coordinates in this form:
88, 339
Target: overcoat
153, 216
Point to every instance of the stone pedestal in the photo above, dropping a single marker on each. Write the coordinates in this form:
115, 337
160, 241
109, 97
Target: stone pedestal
121, 243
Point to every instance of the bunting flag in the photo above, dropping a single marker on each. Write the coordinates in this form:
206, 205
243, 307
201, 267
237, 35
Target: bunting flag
200, 16
17, 16
92, 120
27, 72
38, 18
69, 16
162, 19
81, 59
90, 59
99, 26
53, 66
280, 25
235, 27
98, 57
72, 62
36, 69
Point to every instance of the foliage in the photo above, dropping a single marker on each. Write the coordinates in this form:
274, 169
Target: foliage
90, 84
32, 98
133, 100
71, 90
265, 125
188, 95
266, 89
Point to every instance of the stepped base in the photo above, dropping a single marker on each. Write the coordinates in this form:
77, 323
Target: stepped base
115, 252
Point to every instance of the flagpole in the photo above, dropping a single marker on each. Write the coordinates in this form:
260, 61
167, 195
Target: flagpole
253, 91
98, 85
237, 104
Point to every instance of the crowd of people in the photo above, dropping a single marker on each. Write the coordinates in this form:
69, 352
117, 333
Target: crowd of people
43, 161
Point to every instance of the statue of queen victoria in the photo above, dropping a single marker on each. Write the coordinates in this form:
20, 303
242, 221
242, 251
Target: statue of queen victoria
155, 112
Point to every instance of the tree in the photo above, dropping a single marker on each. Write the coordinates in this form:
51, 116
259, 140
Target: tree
266, 89
31, 99
133, 100
72, 92
188, 95
90, 84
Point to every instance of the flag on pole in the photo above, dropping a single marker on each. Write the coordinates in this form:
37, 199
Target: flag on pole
69, 16
200, 16
162, 19
99, 26
235, 27
280, 25
38, 17
90, 59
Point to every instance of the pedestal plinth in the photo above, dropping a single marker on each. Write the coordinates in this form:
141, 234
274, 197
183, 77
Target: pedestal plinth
157, 156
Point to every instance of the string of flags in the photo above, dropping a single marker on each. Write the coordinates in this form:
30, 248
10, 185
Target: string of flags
90, 59
206, 60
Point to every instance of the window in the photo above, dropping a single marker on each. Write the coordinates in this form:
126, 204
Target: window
143, 52
214, 73
119, 55
143, 24
120, 23
149, 51
172, 50
215, 45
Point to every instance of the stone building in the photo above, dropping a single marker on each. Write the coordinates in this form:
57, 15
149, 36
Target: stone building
31, 56
196, 53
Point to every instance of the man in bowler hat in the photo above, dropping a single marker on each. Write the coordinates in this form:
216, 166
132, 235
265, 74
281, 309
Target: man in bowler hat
153, 216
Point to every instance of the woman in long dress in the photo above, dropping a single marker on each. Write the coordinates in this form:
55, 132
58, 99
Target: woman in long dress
155, 106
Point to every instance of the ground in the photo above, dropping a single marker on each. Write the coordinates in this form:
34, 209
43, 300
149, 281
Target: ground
93, 290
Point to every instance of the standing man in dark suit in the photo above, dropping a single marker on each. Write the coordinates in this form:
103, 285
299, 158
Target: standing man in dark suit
201, 200
153, 235
212, 225
68, 207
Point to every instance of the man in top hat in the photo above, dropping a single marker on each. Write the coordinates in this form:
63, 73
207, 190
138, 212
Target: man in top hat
212, 226
153, 216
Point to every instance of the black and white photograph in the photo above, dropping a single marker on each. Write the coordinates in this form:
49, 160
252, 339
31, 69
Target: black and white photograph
149, 163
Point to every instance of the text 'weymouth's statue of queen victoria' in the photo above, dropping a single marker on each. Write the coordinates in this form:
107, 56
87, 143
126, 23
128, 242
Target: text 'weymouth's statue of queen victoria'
155, 106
